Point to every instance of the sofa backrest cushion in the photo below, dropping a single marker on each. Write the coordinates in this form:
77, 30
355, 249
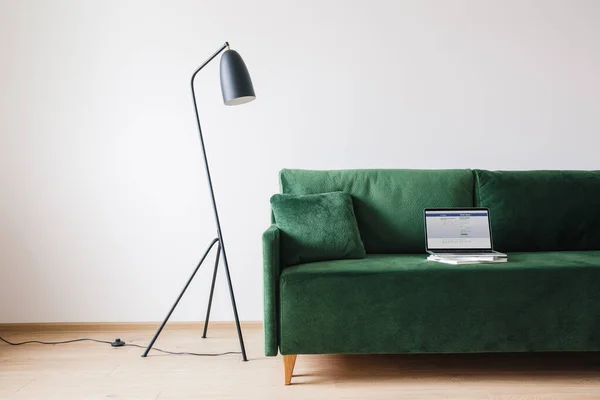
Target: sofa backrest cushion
541, 210
388, 204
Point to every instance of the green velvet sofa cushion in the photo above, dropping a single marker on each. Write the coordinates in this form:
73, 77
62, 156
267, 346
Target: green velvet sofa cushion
541, 210
388, 203
546, 301
316, 227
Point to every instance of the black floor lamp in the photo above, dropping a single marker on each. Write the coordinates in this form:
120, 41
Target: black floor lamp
237, 88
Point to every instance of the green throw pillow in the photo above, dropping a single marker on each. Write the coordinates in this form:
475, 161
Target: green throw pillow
317, 227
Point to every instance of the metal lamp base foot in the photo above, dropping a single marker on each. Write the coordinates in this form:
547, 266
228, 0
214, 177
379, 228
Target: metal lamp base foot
220, 250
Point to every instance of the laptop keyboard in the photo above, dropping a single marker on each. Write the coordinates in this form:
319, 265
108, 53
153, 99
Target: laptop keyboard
460, 253
456, 251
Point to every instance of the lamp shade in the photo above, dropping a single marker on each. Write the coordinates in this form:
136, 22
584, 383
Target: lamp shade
236, 84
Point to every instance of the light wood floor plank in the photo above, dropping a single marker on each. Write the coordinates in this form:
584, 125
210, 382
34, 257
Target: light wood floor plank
96, 371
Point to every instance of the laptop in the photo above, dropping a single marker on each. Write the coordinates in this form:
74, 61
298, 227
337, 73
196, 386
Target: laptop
459, 232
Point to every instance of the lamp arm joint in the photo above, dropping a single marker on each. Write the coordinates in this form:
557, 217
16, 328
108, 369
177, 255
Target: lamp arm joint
225, 46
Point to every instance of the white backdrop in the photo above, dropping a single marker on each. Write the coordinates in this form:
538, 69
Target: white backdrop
105, 208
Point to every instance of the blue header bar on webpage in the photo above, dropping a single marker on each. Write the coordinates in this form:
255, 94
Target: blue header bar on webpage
474, 214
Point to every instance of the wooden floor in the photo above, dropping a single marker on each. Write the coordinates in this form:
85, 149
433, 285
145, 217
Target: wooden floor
98, 371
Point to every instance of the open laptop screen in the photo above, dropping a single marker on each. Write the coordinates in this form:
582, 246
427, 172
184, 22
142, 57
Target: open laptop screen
460, 229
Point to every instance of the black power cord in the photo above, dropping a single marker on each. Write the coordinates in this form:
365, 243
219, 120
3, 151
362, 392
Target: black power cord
119, 343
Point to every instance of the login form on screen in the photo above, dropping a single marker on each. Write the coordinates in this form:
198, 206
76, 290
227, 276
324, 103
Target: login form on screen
458, 229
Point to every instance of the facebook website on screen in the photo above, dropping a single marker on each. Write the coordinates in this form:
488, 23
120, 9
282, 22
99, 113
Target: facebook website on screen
458, 229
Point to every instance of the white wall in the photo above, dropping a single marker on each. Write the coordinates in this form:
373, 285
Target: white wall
105, 209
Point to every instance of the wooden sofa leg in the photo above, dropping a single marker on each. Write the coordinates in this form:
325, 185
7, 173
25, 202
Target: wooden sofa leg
288, 367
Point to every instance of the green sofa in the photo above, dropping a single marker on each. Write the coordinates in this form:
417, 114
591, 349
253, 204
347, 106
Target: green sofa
546, 298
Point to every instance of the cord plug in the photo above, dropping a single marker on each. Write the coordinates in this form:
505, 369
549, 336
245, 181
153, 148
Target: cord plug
117, 343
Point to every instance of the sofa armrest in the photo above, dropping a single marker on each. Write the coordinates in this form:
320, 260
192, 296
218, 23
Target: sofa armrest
271, 272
